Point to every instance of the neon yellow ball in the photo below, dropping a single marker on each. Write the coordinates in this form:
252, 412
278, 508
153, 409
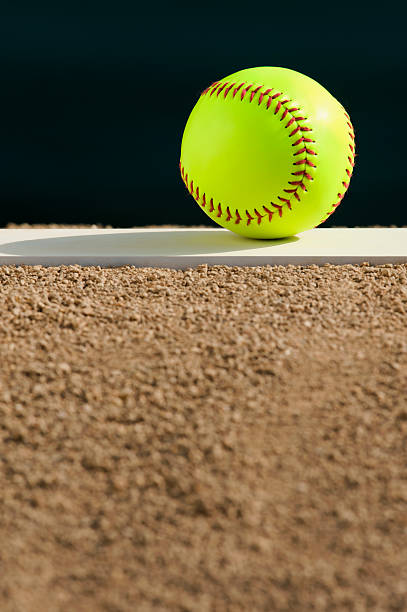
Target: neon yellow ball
267, 152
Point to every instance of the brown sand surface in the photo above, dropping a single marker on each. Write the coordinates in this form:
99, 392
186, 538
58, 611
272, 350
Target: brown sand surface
220, 438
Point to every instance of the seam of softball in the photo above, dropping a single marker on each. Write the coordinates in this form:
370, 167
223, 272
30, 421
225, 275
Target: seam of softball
305, 150
349, 170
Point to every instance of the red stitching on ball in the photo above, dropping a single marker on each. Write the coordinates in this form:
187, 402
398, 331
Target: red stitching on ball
254, 93
286, 200
237, 89
219, 210
351, 160
279, 207
304, 161
299, 183
295, 130
225, 93
249, 218
205, 91
303, 150
244, 91
304, 173
265, 93
302, 139
269, 212
259, 216
220, 89
212, 208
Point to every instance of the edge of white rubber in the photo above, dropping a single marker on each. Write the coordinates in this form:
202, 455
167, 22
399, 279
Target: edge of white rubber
183, 248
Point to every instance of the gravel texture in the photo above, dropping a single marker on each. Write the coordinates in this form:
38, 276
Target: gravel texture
215, 439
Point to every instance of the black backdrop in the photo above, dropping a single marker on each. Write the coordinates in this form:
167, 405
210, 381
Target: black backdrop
94, 101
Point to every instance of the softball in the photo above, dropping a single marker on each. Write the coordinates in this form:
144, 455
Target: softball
267, 152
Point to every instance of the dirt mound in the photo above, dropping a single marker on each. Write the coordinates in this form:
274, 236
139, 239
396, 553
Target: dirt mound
210, 439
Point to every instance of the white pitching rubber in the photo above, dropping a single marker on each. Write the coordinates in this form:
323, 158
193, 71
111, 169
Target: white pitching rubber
186, 248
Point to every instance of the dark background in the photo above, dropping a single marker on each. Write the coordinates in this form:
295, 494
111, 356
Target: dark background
95, 98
